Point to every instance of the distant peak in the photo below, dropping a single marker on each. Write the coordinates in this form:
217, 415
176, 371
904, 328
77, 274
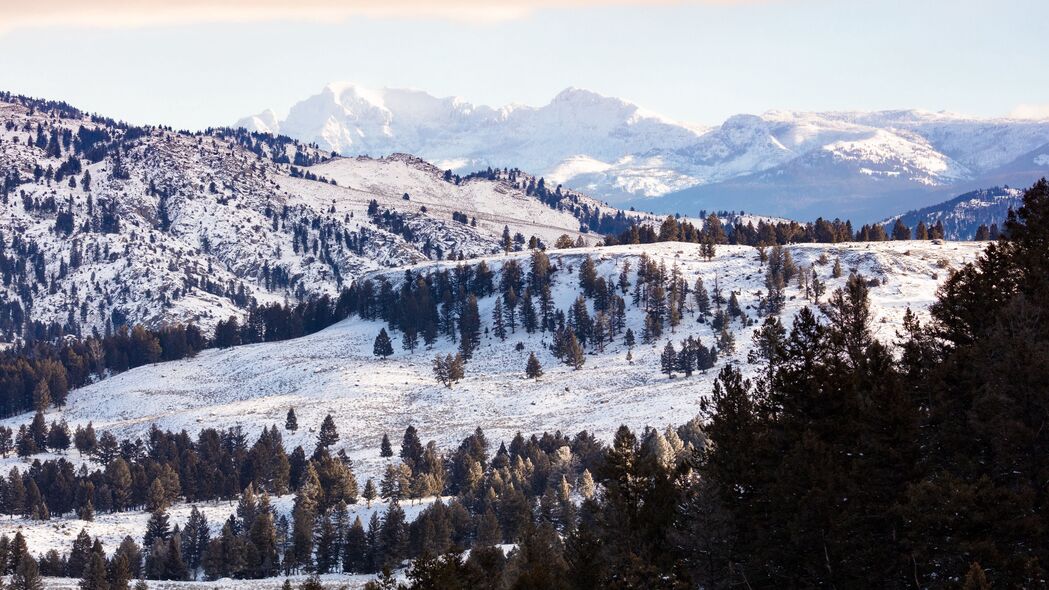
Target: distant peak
573, 94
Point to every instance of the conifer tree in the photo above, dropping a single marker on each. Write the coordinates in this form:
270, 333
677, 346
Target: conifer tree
574, 356
355, 558
533, 370
498, 326
383, 347
370, 493
328, 434
26, 575
469, 328
291, 423
42, 396
157, 529
95, 575
385, 449
668, 359
304, 515
79, 554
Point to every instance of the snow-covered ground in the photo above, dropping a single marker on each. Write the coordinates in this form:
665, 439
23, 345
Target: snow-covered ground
334, 372
205, 224
112, 527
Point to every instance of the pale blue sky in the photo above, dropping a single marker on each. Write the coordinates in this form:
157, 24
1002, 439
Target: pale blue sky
693, 62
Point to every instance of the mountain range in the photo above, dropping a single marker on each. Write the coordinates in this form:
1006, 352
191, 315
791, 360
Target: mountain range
861, 165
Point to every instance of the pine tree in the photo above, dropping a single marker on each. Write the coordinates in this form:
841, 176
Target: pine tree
383, 347
533, 370
469, 328
79, 555
393, 536
449, 369
370, 492
628, 338
120, 576
355, 558
157, 529
26, 575
328, 435
385, 449
457, 368
585, 485
58, 436
574, 356
291, 423
668, 359
922, 232
900, 231
489, 531
195, 538
95, 575
507, 241
304, 515
42, 396
411, 447
498, 326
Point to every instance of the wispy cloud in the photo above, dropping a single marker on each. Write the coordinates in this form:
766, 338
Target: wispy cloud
138, 13
1030, 111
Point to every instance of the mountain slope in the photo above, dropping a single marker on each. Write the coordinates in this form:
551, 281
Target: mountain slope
782, 162
104, 223
334, 371
964, 214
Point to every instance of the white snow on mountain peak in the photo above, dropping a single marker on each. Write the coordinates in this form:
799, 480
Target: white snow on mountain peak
620, 151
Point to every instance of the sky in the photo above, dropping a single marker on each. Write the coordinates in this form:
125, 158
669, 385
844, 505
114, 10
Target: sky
195, 63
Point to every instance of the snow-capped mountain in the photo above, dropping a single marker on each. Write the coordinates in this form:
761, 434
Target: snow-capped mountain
104, 223
963, 215
352, 120
794, 164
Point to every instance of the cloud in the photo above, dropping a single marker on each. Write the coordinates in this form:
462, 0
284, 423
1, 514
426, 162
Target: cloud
138, 13
1030, 111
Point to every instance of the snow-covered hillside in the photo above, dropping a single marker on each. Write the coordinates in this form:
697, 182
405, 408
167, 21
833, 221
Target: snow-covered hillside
963, 215
102, 223
621, 152
334, 371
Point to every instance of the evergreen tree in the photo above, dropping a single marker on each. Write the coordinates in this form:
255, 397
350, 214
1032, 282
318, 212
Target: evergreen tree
668, 359
79, 555
26, 575
370, 493
355, 557
304, 516
291, 423
383, 347
900, 231
385, 450
42, 396
469, 328
533, 370
95, 575
157, 529
328, 434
